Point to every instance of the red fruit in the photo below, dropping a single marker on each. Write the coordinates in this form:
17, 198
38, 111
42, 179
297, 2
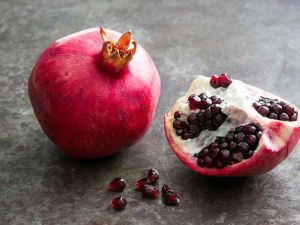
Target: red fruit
139, 185
118, 203
214, 81
153, 175
150, 192
171, 199
94, 97
247, 141
117, 185
166, 189
224, 80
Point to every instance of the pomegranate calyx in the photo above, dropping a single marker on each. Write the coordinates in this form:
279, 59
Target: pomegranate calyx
117, 55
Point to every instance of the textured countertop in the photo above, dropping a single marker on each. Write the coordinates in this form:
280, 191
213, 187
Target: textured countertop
256, 41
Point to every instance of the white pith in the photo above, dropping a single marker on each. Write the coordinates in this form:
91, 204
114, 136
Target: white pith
237, 104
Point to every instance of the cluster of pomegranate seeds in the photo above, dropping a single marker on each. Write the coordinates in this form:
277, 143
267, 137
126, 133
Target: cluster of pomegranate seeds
117, 185
275, 109
118, 203
220, 81
233, 148
209, 117
169, 196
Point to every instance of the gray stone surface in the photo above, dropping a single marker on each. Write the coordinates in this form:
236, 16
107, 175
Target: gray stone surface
256, 41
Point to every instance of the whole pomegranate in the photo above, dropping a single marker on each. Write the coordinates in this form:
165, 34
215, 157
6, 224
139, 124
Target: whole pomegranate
94, 92
224, 127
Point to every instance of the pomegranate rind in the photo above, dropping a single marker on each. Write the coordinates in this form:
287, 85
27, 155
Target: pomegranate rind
277, 142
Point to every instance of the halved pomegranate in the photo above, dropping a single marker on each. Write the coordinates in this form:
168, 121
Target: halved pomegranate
231, 130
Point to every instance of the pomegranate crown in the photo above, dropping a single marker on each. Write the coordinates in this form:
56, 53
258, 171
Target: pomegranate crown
116, 56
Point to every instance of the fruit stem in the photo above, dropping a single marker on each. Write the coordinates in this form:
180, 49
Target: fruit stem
117, 56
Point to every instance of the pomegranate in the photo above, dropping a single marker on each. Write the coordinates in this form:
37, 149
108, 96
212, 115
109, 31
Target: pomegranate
224, 127
94, 92
169, 196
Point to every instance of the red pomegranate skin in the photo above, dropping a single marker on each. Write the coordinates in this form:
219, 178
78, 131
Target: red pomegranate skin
86, 110
268, 155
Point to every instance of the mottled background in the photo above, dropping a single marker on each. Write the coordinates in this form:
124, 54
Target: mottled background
256, 41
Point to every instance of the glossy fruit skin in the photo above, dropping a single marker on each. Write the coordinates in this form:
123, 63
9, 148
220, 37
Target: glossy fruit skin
86, 110
267, 156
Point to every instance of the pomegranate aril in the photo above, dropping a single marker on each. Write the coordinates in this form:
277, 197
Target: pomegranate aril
118, 203
232, 146
273, 116
166, 189
194, 101
237, 157
186, 136
153, 175
259, 134
176, 115
250, 139
214, 81
219, 164
284, 117
242, 146
217, 101
293, 117
229, 136
171, 199
263, 110
194, 129
139, 185
192, 119
249, 129
256, 105
288, 109
213, 153
248, 154
149, 191
178, 124
224, 155
239, 137
205, 103
276, 108
203, 153
224, 80
117, 185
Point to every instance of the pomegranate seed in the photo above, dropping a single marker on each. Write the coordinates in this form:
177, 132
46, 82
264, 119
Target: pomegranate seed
284, 117
219, 164
263, 110
224, 80
171, 199
150, 192
276, 108
166, 189
205, 103
224, 155
214, 81
213, 152
194, 101
239, 137
242, 146
139, 185
178, 124
256, 105
192, 119
176, 115
293, 117
273, 116
153, 175
288, 109
237, 157
118, 203
250, 139
232, 146
249, 129
117, 185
